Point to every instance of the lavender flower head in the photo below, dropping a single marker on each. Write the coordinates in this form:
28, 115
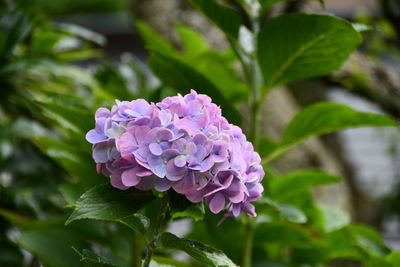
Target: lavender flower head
183, 143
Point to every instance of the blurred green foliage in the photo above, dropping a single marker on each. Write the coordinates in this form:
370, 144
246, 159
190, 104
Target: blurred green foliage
47, 104
64, 7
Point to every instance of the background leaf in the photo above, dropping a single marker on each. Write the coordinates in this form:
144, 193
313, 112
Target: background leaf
90, 259
368, 240
136, 222
323, 118
289, 212
197, 250
53, 246
394, 258
282, 188
317, 45
104, 202
226, 19
193, 41
181, 207
333, 217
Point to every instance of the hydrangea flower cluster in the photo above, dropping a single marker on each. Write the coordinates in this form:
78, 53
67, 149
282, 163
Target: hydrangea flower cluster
183, 143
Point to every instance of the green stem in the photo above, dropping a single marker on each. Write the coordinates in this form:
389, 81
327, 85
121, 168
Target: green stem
136, 250
248, 248
151, 246
255, 83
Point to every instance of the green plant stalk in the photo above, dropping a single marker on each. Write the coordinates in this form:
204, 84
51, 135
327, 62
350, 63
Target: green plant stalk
248, 245
151, 246
136, 250
255, 83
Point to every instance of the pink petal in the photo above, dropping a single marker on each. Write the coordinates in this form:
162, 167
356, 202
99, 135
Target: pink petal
156, 149
217, 203
129, 177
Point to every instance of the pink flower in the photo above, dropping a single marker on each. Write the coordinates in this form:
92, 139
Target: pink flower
183, 143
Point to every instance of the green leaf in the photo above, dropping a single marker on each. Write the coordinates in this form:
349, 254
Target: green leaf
341, 245
137, 222
226, 19
193, 41
17, 219
266, 146
310, 256
181, 207
368, 240
82, 32
183, 77
268, 3
90, 259
318, 45
283, 233
282, 188
167, 262
333, 217
14, 26
323, 118
197, 250
289, 212
194, 211
153, 40
76, 161
53, 246
78, 117
394, 258
377, 261
221, 70
104, 202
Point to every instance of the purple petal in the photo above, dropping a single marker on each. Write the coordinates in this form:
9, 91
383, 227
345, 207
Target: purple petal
102, 113
249, 209
207, 164
141, 106
126, 144
199, 139
185, 185
156, 165
94, 136
180, 161
195, 196
143, 172
129, 177
217, 203
100, 152
156, 149
170, 153
116, 180
214, 188
140, 121
165, 117
252, 177
174, 173
190, 148
165, 134
236, 209
235, 192
146, 183
162, 184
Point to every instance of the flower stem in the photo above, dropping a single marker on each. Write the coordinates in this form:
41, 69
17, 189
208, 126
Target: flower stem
136, 250
248, 248
255, 83
151, 246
